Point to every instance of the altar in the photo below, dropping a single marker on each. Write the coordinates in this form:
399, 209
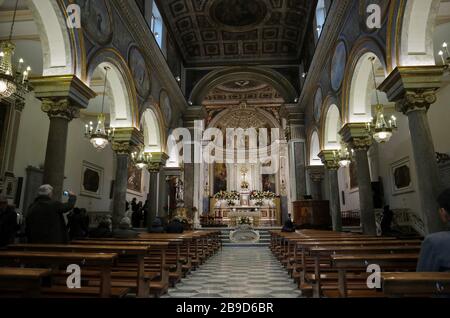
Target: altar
266, 215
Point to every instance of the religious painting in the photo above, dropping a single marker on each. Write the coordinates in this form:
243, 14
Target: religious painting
96, 20
401, 177
318, 99
220, 177
91, 180
134, 181
353, 176
10, 186
140, 72
338, 66
268, 182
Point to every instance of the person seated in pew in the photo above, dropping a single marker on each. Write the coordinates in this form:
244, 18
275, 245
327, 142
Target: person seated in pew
157, 226
288, 226
435, 251
175, 226
125, 231
103, 229
8, 222
45, 222
78, 224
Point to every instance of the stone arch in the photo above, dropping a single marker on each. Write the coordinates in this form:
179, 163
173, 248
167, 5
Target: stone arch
62, 50
417, 28
358, 81
125, 110
314, 149
211, 80
331, 126
154, 132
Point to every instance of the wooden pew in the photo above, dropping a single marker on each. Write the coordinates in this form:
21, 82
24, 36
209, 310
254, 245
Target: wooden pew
323, 254
26, 281
55, 259
119, 279
160, 284
344, 263
415, 284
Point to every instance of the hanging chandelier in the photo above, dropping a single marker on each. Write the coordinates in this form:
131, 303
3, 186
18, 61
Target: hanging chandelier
13, 77
141, 160
343, 156
100, 137
380, 129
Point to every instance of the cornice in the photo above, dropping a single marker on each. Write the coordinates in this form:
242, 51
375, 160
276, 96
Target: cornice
331, 31
140, 32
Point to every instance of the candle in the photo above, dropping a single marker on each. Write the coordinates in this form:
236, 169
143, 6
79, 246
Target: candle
441, 54
444, 45
19, 67
87, 129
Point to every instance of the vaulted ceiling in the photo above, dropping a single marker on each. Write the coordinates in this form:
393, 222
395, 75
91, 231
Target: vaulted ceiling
219, 32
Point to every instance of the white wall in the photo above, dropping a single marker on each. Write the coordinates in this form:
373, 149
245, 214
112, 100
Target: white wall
31, 147
400, 147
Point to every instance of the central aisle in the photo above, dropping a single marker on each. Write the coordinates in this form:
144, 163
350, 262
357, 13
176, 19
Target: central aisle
238, 272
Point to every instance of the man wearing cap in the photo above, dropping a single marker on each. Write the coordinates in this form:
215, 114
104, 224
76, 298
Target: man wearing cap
45, 219
8, 222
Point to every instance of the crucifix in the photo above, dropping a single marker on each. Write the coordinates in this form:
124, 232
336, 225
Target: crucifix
244, 171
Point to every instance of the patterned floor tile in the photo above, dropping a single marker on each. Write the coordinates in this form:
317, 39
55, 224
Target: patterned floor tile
238, 272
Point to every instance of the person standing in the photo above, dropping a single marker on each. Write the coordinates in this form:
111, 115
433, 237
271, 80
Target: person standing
45, 218
8, 222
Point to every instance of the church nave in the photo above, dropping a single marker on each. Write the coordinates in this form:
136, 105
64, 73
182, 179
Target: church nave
238, 272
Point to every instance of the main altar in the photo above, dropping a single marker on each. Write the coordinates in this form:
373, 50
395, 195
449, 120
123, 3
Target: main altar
253, 208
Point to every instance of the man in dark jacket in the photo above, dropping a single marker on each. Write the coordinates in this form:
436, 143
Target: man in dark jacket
8, 222
45, 218
434, 255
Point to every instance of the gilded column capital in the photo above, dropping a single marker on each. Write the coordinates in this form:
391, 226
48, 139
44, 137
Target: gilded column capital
329, 159
157, 161
416, 100
59, 108
62, 96
413, 88
316, 173
356, 136
127, 140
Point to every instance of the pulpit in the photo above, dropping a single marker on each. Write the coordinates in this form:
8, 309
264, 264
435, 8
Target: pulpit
312, 213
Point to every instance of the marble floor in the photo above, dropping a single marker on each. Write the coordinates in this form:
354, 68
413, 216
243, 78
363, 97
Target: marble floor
238, 272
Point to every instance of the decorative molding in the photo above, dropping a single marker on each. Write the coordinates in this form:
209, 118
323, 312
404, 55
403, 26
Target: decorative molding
329, 160
156, 61
356, 136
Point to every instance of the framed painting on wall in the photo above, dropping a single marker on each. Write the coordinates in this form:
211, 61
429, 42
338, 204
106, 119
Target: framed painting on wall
134, 181
401, 179
91, 180
220, 177
268, 182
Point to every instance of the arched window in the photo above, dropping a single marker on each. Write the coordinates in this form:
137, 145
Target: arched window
321, 15
156, 24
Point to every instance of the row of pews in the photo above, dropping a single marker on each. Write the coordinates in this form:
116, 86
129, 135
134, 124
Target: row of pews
335, 264
141, 267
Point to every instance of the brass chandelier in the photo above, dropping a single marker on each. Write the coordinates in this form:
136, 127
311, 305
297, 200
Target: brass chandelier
380, 129
343, 156
100, 137
141, 160
13, 76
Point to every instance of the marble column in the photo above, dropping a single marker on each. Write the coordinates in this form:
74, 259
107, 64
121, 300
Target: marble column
62, 98
357, 137
413, 89
316, 175
126, 140
152, 198
332, 167
157, 162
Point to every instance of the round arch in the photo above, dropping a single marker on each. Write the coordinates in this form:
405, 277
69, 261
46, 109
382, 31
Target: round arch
62, 47
154, 132
332, 125
416, 45
215, 78
314, 149
124, 112
359, 85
